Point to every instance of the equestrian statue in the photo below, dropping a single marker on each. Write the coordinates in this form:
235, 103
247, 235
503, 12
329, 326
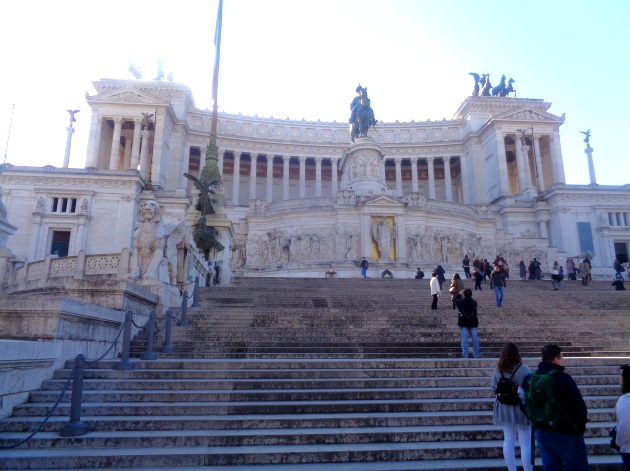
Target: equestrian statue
362, 115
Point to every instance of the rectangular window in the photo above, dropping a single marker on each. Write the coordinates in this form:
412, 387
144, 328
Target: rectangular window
625, 219
610, 219
618, 218
60, 243
55, 204
73, 207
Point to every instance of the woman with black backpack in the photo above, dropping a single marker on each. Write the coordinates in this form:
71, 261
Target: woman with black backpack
507, 380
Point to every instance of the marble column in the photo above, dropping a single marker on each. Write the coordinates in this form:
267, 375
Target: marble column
33, 246
135, 146
431, 178
318, 177
334, 165
236, 178
285, 177
269, 193
591, 168
398, 163
520, 165
220, 162
66, 156
526, 168
448, 184
113, 156
252, 175
541, 181
555, 152
94, 139
144, 154
127, 154
302, 176
414, 174
504, 182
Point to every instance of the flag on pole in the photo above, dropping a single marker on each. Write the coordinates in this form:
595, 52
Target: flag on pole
217, 53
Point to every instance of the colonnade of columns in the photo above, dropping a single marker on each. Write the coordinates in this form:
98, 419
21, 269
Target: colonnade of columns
135, 151
524, 169
334, 184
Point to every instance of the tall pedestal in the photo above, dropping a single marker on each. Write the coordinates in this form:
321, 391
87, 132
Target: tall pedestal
363, 167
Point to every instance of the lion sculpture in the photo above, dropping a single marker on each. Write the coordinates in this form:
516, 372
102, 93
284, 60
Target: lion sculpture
156, 245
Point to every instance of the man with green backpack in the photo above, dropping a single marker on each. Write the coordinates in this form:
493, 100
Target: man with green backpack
555, 407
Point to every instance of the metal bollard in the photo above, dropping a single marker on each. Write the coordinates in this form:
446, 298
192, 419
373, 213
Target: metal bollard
184, 322
196, 294
74, 427
168, 348
149, 354
125, 364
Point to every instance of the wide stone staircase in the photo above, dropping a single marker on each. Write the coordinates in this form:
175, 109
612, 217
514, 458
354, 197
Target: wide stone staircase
328, 374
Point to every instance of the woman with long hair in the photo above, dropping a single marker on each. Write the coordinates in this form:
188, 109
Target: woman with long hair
623, 416
457, 285
511, 417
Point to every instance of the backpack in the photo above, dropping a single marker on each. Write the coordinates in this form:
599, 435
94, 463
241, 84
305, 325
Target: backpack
506, 390
542, 407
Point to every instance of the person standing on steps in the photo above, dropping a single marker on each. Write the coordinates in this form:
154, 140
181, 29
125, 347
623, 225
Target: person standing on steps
440, 271
364, 267
510, 416
468, 322
456, 287
522, 269
466, 266
562, 442
623, 416
478, 277
497, 282
435, 290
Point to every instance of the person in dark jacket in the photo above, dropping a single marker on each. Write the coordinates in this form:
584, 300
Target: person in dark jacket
440, 275
478, 277
466, 266
566, 446
468, 322
497, 281
618, 283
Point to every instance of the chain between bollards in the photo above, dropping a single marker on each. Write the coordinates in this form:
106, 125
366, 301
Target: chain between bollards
74, 427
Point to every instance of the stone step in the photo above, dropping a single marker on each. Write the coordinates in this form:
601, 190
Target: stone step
599, 386
276, 436
278, 407
336, 394
26, 424
155, 457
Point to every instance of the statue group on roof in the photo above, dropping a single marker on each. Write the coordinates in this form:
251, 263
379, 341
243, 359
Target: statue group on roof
483, 87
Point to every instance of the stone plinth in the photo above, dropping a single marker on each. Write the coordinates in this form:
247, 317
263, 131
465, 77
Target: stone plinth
363, 167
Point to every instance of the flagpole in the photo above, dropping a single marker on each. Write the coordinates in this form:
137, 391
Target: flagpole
210, 169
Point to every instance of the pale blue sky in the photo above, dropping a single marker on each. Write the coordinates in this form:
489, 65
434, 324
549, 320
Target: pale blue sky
303, 59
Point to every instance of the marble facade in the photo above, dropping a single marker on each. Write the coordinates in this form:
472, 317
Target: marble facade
298, 198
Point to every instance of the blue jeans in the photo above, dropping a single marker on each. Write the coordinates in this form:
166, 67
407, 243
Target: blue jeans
498, 292
558, 448
620, 273
364, 272
463, 332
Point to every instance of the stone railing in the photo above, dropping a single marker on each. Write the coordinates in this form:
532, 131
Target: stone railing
47, 272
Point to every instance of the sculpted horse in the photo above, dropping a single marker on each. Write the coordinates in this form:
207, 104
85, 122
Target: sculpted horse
496, 91
509, 88
486, 87
359, 127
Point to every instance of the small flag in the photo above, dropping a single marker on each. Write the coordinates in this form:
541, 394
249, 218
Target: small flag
217, 53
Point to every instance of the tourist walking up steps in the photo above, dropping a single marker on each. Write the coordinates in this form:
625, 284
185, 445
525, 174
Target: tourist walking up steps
435, 290
466, 266
456, 287
557, 413
468, 322
478, 277
497, 281
440, 272
364, 267
623, 416
507, 407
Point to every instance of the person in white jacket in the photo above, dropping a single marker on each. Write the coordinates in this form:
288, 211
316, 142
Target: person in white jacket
623, 416
435, 290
